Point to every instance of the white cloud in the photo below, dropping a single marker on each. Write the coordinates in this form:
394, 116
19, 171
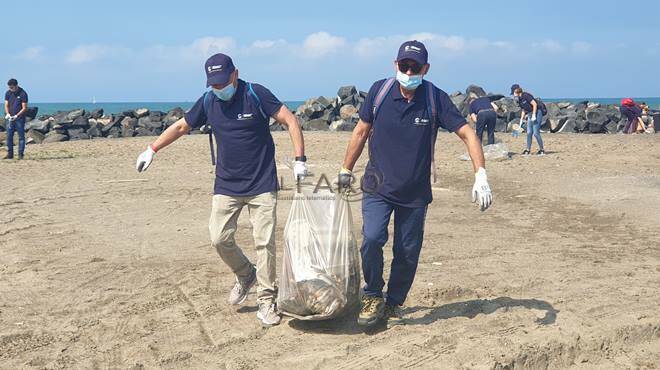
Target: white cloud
267, 44
89, 53
581, 47
551, 46
320, 44
207, 46
435, 43
31, 53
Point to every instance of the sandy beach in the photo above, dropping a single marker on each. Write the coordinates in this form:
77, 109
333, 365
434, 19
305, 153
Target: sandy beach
102, 267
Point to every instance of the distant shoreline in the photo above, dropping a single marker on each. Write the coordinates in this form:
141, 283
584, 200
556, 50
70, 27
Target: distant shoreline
118, 107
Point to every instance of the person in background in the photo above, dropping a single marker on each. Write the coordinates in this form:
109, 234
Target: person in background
633, 113
16, 100
482, 113
647, 118
533, 111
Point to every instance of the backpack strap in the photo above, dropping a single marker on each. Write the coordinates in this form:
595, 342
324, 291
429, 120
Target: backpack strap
382, 93
256, 99
433, 113
208, 100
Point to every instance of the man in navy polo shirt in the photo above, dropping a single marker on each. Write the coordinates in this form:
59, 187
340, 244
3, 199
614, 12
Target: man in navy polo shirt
401, 117
245, 175
482, 112
16, 100
534, 113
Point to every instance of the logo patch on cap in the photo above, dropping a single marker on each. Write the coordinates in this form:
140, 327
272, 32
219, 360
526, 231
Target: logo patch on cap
413, 48
215, 68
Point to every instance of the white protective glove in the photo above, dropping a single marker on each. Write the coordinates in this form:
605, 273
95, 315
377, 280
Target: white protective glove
144, 160
345, 178
13, 118
534, 117
8, 116
481, 190
299, 170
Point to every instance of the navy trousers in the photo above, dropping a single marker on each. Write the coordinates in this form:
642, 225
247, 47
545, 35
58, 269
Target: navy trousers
408, 237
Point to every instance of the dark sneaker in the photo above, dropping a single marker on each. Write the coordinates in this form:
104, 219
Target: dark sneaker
393, 315
372, 311
525, 152
239, 293
20, 157
540, 152
268, 314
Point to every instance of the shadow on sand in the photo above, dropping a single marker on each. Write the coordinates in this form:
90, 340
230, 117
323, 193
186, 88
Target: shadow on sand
470, 309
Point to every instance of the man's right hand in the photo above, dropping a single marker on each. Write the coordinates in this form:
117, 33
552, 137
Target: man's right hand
7, 116
345, 178
144, 160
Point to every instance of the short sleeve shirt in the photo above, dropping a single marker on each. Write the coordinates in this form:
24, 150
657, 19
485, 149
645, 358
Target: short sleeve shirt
245, 149
525, 102
16, 100
401, 141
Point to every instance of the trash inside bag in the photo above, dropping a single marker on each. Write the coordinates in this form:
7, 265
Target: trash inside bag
320, 273
493, 152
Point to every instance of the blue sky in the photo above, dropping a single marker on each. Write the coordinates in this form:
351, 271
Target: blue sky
69, 51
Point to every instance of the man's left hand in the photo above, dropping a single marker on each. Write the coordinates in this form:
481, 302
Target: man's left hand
299, 170
534, 117
481, 190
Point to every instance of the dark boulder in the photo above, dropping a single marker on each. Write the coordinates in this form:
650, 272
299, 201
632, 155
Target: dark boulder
147, 123
34, 137
80, 122
38, 125
596, 119
172, 116
141, 112
115, 122
94, 129
475, 91
581, 125
31, 113
315, 125
96, 113
143, 131
128, 125
346, 91
569, 127
72, 115
342, 125
53, 137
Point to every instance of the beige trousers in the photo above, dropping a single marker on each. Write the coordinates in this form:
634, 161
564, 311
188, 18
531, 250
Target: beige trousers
222, 226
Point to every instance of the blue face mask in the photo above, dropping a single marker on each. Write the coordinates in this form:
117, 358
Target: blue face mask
409, 82
225, 93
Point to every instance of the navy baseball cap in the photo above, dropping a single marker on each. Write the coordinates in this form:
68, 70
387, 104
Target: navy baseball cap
414, 50
514, 87
218, 68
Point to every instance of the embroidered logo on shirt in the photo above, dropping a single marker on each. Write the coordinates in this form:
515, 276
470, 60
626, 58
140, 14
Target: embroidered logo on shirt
421, 121
244, 116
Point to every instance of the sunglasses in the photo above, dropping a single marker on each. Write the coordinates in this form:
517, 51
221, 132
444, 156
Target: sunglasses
405, 67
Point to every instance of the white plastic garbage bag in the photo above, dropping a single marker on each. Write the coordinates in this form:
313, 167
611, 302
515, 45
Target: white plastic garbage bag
493, 152
320, 273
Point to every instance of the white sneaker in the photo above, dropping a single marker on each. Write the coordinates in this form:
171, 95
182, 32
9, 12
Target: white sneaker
239, 292
268, 315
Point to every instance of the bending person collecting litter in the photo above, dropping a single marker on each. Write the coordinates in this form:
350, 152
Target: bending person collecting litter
401, 116
245, 175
